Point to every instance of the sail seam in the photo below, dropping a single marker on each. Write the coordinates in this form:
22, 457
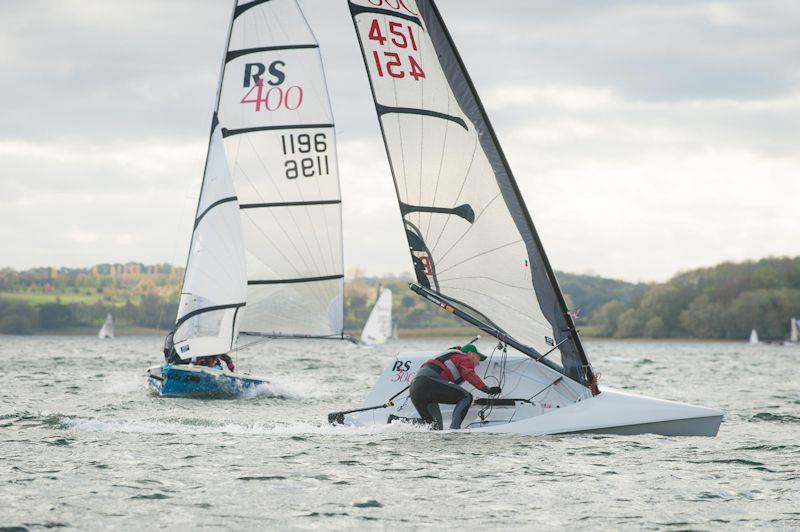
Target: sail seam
215, 204
385, 109
199, 311
230, 132
231, 55
294, 281
289, 204
356, 9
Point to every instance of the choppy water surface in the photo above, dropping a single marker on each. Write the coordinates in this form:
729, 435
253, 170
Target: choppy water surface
84, 445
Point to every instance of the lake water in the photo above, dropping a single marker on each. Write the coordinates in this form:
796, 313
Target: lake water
85, 446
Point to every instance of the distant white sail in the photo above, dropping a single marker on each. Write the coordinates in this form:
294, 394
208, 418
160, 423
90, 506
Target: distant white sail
794, 334
753, 336
107, 330
378, 328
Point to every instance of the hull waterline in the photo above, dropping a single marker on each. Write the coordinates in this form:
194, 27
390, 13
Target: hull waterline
200, 382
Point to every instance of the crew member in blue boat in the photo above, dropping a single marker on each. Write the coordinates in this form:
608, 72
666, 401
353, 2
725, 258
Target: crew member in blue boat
437, 382
214, 361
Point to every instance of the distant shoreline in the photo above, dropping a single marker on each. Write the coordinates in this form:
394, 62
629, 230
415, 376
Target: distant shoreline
404, 334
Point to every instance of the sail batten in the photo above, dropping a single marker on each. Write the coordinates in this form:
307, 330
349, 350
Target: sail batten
469, 232
266, 252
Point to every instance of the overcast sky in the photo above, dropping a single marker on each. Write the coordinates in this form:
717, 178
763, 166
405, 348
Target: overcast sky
648, 137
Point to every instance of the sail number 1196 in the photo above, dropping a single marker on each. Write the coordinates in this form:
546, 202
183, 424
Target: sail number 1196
308, 155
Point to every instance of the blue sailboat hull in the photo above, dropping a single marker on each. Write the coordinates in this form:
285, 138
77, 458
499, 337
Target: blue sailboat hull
194, 381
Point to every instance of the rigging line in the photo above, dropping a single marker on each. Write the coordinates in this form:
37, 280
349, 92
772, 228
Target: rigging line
297, 226
473, 257
277, 316
289, 262
501, 303
291, 214
223, 267
526, 288
316, 296
400, 137
463, 183
441, 165
471, 226
329, 108
421, 144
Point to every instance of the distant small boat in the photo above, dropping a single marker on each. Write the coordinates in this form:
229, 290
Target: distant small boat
107, 330
794, 331
753, 337
378, 328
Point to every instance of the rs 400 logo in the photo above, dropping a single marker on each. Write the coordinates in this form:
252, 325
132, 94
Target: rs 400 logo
403, 371
266, 89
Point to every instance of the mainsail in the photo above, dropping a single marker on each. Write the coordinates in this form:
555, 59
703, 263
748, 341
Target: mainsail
473, 245
794, 331
266, 253
378, 328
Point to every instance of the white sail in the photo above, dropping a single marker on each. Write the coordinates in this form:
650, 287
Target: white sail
281, 145
753, 337
107, 330
266, 250
794, 331
473, 245
378, 328
214, 286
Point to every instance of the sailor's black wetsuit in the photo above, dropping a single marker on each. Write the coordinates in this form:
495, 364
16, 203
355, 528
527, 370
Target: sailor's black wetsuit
437, 382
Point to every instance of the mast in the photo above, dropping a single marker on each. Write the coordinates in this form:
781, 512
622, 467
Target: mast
214, 122
531, 227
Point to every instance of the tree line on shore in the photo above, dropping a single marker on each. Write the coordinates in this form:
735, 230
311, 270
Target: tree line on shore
721, 302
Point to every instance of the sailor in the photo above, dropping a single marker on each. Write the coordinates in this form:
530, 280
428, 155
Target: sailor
437, 382
170, 355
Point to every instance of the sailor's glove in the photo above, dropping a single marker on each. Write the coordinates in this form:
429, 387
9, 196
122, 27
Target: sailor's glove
493, 390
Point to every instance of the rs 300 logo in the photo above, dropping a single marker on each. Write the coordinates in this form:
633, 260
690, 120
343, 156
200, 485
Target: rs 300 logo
266, 89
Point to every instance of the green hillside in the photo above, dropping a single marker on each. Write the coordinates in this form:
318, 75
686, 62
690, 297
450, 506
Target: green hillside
721, 302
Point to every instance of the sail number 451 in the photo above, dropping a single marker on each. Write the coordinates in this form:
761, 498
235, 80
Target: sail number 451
392, 63
315, 147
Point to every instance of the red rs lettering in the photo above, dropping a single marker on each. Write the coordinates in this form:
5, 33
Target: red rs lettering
274, 98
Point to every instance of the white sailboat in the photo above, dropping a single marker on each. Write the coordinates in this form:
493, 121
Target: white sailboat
475, 250
794, 331
753, 337
265, 257
107, 330
378, 327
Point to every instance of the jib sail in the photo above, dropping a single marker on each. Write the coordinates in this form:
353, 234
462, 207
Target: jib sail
472, 242
276, 138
